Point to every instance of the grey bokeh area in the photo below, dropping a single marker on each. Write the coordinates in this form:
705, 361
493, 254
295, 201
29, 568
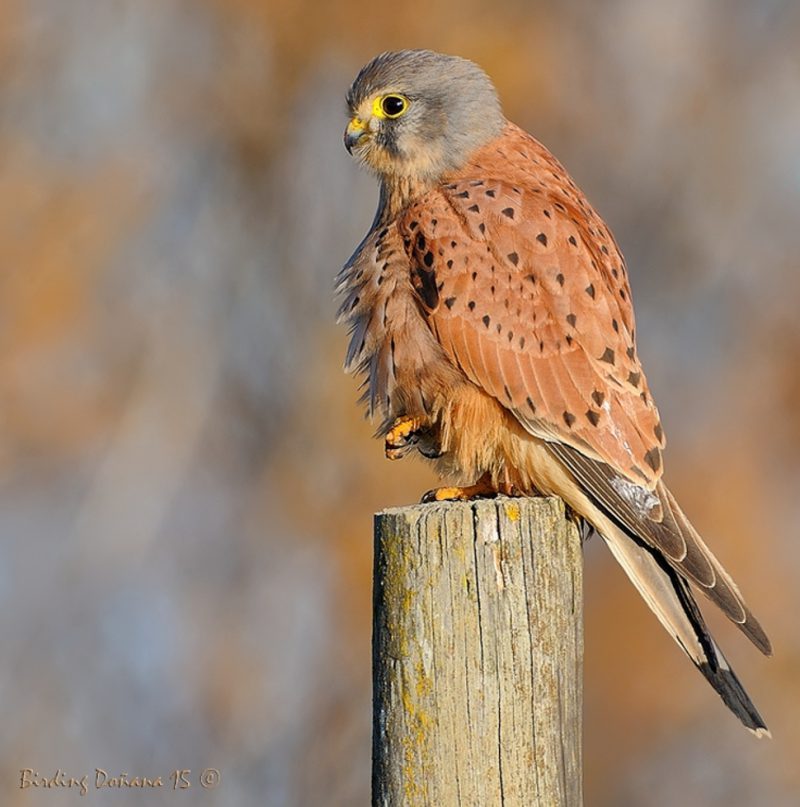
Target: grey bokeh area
186, 482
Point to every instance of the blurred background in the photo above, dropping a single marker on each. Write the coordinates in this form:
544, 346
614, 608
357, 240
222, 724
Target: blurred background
186, 482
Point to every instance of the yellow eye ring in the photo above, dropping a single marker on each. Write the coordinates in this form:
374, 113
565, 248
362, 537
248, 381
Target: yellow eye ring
391, 106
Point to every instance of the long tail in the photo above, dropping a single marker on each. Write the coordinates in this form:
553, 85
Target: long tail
669, 597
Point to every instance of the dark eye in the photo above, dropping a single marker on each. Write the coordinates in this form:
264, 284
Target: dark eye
394, 106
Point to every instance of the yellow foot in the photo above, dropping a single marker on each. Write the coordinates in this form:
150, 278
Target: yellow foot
483, 488
402, 436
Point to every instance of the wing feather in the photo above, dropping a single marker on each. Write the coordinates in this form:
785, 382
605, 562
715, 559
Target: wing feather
535, 308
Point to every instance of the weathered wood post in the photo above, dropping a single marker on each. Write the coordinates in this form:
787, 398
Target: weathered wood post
477, 655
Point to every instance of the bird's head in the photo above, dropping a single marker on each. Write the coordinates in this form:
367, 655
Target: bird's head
416, 114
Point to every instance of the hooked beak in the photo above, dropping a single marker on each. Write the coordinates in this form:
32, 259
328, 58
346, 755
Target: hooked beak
355, 132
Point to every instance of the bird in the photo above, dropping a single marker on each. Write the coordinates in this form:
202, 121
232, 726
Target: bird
490, 320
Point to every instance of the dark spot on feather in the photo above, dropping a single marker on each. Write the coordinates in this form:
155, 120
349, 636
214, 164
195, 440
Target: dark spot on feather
572, 241
420, 242
634, 378
499, 328
486, 320
413, 225
615, 325
542, 239
559, 206
474, 275
440, 286
653, 458
471, 305
426, 287
449, 302
428, 259
492, 290
604, 249
450, 264
592, 416
474, 209
590, 290
608, 356
572, 319
463, 195
532, 278
513, 257
522, 343
615, 273
507, 392
491, 193
508, 211
569, 340
541, 346
434, 222
546, 213
598, 397
631, 352
531, 405
569, 419
658, 432
482, 228
622, 293
510, 335
379, 280
560, 279
640, 473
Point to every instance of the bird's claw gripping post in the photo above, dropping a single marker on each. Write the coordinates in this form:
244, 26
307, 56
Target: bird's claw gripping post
483, 488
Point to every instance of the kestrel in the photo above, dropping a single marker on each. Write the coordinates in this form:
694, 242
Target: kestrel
490, 315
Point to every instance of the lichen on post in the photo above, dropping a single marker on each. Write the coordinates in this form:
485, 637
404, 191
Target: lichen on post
477, 655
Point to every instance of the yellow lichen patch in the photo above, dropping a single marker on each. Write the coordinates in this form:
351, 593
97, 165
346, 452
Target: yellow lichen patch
424, 683
397, 560
512, 511
415, 743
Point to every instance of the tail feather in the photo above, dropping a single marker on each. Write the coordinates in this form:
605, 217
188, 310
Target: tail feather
670, 598
655, 519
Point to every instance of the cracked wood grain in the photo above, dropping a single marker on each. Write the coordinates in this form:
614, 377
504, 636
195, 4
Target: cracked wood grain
477, 655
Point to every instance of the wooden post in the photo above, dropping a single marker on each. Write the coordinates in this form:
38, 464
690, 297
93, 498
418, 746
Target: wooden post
477, 655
